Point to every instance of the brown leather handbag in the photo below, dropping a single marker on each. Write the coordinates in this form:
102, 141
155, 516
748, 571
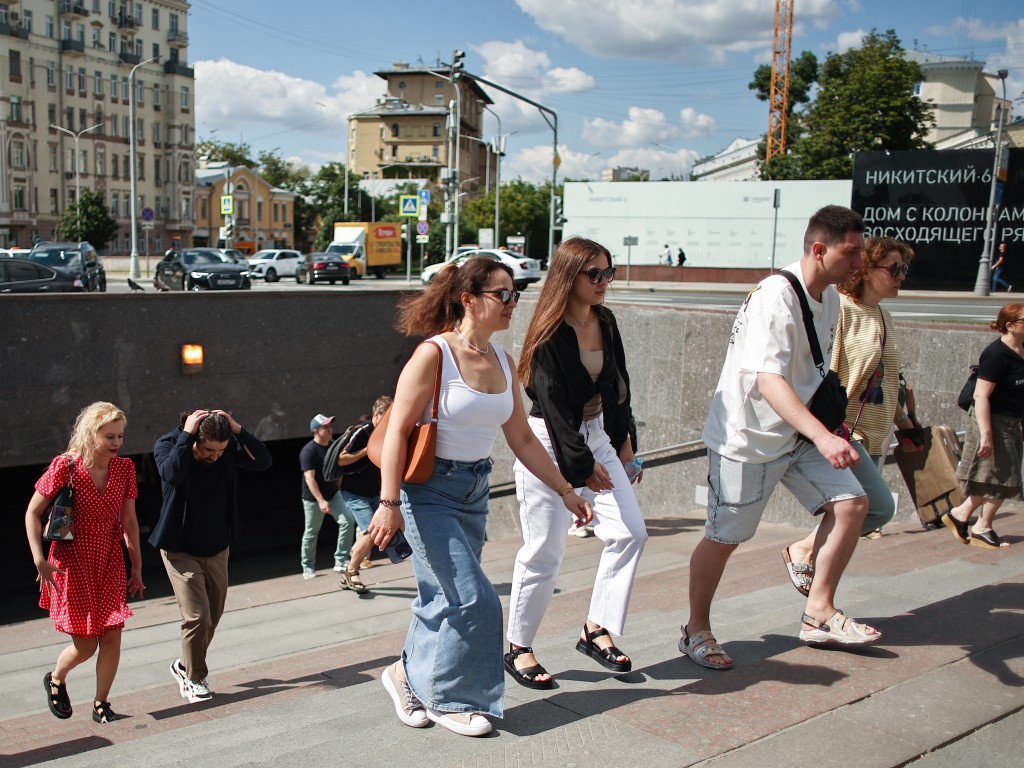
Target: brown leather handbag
422, 447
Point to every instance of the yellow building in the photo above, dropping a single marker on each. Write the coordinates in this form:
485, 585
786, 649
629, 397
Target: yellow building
405, 135
263, 216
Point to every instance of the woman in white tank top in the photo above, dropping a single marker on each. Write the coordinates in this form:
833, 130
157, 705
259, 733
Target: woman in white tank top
451, 667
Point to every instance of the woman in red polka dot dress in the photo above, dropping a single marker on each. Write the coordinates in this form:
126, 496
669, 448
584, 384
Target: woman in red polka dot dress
83, 583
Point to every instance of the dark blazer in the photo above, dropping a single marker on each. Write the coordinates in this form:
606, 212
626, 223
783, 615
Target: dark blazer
174, 462
560, 386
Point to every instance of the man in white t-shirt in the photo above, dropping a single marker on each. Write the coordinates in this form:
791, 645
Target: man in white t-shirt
759, 432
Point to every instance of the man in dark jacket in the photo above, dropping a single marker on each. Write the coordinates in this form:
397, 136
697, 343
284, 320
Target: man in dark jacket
197, 464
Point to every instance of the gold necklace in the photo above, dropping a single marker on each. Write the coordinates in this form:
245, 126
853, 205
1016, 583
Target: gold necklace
470, 344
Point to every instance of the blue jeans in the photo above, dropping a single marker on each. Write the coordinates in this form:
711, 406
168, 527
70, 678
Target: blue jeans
452, 653
881, 506
998, 281
362, 508
315, 518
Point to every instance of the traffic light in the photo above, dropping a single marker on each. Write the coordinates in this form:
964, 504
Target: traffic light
458, 66
229, 229
559, 218
405, 231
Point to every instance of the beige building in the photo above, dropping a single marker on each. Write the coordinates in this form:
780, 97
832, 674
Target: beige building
68, 63
264, 216
405, 134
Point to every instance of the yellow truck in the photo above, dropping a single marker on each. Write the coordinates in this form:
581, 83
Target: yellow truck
368, 247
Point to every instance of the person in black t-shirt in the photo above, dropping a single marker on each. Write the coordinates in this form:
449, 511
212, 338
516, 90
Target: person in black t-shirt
320, 498
990, 465
360, 487
197, 464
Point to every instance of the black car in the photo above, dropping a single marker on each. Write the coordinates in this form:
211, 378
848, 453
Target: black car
200, 269
79, 260
327, 267
24, 276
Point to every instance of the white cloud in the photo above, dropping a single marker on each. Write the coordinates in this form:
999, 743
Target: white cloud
643, 126
697, 123
693, 31
534, 163
846, 41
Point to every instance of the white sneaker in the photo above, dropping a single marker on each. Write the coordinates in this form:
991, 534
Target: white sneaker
308, 573
339, 568
409, 709
462, 723
580, 533
178, 673
197, 691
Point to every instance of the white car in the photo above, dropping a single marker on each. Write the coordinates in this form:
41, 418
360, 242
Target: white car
273, 264
524, 270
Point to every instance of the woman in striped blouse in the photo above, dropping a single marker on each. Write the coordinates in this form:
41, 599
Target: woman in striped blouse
867, 359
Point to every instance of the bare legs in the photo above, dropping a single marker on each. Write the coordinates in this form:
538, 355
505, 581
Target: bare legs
81, 649
989, 507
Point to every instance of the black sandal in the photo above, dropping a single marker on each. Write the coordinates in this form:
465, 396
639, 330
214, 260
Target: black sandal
57, 697
526, 676
102, 713
960, 530
606, 657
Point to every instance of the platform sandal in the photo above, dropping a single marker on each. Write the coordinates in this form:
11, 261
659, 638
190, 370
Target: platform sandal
606, 657
526, 676
57, 697
102, 713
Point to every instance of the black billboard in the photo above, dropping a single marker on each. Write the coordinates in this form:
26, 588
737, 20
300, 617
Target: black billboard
937, 202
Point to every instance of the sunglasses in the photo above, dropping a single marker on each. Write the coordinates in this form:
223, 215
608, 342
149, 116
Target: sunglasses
895, 269
506, 297
597, 276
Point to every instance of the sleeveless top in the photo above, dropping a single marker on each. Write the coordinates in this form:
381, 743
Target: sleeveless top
593, 362
468, 420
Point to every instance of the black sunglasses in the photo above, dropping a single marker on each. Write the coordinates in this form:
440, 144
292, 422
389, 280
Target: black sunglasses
506, 297
894, 269
598, 275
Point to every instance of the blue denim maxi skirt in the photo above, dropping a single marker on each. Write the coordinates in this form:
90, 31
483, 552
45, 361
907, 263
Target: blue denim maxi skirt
452, 653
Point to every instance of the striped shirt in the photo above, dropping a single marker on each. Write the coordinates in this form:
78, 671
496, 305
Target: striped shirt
862, 365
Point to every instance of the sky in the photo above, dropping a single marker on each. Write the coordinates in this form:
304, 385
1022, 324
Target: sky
655, 84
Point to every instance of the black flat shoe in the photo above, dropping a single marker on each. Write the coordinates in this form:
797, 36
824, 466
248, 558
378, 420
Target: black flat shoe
102, 713
961, 531
57, 697
987, 540
527, 675
606, 657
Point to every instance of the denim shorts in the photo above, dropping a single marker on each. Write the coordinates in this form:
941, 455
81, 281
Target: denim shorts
738, 491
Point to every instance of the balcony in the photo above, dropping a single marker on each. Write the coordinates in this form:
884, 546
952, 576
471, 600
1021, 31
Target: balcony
124, 21
72, 8
129, 58
72, 47
177, 68
177, 39
13, 28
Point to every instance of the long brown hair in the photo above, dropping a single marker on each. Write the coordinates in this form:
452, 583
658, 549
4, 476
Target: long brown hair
876, 249
439, 308
553, 301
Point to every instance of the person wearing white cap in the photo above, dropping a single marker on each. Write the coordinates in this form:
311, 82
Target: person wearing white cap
320, 498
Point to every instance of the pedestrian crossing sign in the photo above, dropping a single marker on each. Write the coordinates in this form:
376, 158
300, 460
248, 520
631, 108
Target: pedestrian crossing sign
409, 205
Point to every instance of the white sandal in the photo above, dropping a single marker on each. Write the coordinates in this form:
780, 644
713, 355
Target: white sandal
839, 630
701, 645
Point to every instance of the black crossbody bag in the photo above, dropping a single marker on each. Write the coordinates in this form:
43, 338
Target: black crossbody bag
829, 402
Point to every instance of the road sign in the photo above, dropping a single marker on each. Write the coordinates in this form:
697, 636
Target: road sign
424, 197
631, 241
409, 205
422, 227
227, 205
147, 225
147, 214
422, 238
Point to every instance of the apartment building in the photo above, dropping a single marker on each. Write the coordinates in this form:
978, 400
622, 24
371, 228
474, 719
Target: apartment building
264, 216
72, 64
405, 134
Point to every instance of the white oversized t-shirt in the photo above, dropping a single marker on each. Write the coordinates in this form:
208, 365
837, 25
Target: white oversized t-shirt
768, 336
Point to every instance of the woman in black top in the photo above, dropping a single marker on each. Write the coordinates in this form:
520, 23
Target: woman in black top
574, 369
989, 469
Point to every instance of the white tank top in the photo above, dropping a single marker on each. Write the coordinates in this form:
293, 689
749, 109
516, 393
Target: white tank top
468, 420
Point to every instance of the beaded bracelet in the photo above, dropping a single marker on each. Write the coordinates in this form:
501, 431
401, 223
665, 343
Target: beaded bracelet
565, 489
390, 503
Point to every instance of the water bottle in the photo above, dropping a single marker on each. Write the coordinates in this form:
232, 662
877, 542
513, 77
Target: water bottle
633, 468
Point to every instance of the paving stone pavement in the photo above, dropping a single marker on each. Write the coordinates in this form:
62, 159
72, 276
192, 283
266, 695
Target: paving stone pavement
296, 664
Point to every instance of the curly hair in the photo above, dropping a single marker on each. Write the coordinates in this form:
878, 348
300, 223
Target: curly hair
876, 249
88, 423
439, 308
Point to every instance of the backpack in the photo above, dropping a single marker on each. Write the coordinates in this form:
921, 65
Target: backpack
331, 470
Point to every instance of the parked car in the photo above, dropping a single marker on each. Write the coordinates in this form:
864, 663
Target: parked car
24, 276
236, 256
524, 270
327, 267
79, 260
273, 264
199, 269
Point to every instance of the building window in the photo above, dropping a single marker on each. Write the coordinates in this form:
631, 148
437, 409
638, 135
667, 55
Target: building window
53, 157
156, 50
84, 161
277, 209
156, 19
69, 77
140, 92
127, 205
101, 162
435, 151
16, 115
19, 200
69, 114
80, 33
439, 99
51, 114
138, 14
26, 20
156, 95
96, 35
51, 74
142, 167
65, 30
124, 88
113, 127
113, 166
184, 97
138, 47
49, 28
97, 83
112, 43
127, 126
18, 154
53, 201
81, 79
259, 211
14, 65
202, 209
115, 203
140, 128
437, 129
394, 130
156, 133
173, 22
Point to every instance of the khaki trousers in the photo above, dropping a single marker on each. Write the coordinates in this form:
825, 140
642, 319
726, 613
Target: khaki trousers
200, 586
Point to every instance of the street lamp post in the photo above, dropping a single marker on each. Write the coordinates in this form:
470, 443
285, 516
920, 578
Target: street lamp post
133, 269
983, 282
78, 171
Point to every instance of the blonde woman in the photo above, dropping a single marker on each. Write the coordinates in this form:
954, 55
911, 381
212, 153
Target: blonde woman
82, 582
574, 368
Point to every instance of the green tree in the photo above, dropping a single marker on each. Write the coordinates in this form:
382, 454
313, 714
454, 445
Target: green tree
865, 102
88, 219
525, 210
803, 74
225, 151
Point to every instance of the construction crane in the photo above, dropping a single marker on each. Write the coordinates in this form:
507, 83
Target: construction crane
778, 100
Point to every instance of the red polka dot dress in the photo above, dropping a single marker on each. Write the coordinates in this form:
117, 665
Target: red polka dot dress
91, 594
